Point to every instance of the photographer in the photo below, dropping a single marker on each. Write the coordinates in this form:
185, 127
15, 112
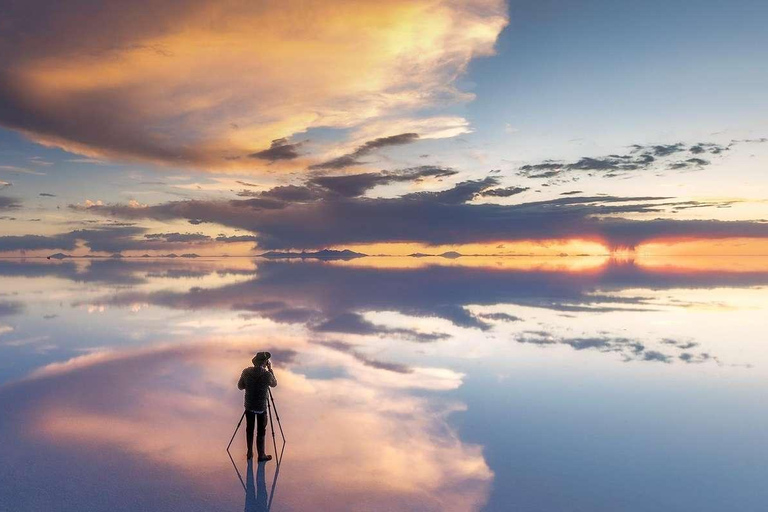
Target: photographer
256, 381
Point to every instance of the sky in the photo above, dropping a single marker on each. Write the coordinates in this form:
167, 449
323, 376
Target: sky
483, 127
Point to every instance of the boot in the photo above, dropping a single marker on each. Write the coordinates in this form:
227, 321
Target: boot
260, 441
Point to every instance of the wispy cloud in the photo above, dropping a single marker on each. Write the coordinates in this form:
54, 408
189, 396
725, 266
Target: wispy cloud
20, 170
353, 158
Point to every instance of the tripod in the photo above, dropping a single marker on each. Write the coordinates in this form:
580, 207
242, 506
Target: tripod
270, 405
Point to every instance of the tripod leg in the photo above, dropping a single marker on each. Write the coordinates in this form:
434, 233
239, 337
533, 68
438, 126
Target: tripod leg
272, 426
274, 406
236, 429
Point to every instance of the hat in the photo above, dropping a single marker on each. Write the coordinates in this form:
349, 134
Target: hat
260, 358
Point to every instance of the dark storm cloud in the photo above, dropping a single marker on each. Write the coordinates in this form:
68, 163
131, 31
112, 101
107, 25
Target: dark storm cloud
7, 203
366, 149
444, 217
642, 157
280, 149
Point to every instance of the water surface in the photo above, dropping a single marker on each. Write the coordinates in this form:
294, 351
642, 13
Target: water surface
404, 384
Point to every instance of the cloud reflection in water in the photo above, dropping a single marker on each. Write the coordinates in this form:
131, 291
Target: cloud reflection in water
362, 440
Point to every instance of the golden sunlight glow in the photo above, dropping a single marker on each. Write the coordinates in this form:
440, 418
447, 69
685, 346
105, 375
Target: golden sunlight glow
499, 248
523, 263
723, 247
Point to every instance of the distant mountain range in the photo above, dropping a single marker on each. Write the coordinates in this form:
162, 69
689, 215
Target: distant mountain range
117, 255
449, 254
325, 254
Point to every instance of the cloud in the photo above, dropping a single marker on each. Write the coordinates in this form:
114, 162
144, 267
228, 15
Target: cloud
46, 194
32, 242
154, 387
697, 163
642, 157
335, 187
629, 349
10, 308
5, 184
179, 237
458, 194
7, 203
203, 82
280, 149
348, 348
353, 185
115, 239
354, 323
502, 317
366, 149
331, 299
19, 170
662, 149
237, 238
503, 192
308, 217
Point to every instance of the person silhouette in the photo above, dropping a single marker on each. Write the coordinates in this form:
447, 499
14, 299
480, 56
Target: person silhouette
256, 381
256, 495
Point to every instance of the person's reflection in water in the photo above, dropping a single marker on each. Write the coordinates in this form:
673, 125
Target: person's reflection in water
256, 494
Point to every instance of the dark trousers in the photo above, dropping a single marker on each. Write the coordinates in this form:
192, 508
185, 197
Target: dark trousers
260, 420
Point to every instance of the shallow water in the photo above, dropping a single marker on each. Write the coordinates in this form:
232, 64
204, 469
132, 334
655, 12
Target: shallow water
404, 384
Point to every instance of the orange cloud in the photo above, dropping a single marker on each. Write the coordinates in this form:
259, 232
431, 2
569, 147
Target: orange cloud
207, 83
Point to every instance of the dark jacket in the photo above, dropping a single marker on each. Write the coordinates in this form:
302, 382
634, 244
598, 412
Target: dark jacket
256, 381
